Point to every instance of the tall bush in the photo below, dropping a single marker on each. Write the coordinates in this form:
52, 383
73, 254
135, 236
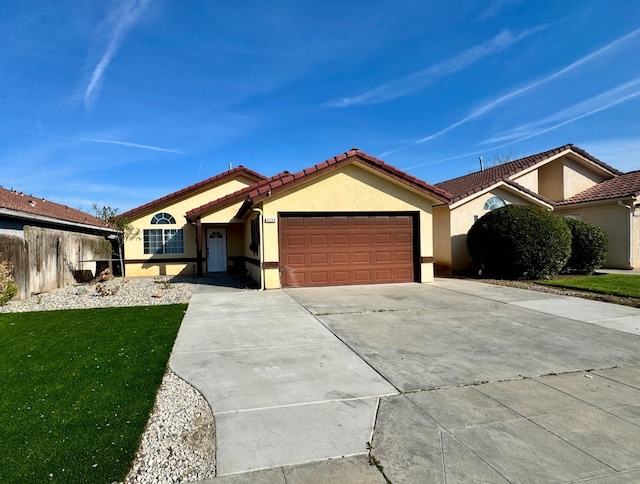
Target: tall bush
589, 247
8, 287
520, 242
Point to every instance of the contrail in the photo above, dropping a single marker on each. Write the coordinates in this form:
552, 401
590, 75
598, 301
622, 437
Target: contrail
502, 99
131, 11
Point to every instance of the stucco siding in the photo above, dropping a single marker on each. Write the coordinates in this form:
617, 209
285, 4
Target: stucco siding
442, 239
351, 189
528, 180
577, 178
614, 220
462, 218
550, 180
167, 264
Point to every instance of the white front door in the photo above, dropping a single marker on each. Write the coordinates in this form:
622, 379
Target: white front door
216, 250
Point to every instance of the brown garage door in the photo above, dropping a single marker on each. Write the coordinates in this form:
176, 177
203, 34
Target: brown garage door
337, 250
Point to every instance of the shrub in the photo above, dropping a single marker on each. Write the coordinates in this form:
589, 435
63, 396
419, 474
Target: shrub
520, 242
8, 287
589, 247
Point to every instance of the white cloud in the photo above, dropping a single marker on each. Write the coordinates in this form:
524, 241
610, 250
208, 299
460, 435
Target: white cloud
126, 17
418, 80
490, 106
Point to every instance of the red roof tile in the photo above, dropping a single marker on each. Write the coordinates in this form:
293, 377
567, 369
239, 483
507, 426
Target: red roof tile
627, 185
195, 188
285, 181
467, 185
28, 205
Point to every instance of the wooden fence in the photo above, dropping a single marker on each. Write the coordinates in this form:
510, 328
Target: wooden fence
47, 259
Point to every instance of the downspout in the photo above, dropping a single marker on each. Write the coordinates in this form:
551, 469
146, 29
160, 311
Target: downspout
260, 226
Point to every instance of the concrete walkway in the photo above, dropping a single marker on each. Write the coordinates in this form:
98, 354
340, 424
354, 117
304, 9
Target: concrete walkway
471, 383
283, 389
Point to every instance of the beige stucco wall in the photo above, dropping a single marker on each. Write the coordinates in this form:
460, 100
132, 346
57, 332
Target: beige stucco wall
161, 264
353, 188
564, 177
635, 241
577, 178
614, 220
461, 219
528, 180
550, 180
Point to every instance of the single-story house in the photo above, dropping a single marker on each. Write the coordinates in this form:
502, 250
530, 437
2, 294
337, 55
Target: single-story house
351, 219
566, 179
49, 245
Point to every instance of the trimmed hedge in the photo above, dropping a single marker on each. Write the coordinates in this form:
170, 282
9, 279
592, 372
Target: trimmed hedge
589, 247
520, 242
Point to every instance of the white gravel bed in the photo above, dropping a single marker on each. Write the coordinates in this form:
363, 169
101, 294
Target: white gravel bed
178, 444
119, 293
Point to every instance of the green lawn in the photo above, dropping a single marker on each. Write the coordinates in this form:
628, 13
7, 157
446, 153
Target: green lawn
616, 284
76, 390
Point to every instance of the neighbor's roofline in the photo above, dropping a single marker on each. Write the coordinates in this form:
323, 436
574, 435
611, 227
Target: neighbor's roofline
509, 185
42, 218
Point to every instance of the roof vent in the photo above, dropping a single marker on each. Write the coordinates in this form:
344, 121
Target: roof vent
355, 148
32, 203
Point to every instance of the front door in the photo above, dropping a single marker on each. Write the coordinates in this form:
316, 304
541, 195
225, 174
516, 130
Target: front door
216, 250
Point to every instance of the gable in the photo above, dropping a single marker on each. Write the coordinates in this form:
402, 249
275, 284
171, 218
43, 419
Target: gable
179, 206
353, 187
540, 173
198, 193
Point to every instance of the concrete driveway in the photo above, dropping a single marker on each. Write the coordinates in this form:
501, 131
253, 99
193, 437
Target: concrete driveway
459, 381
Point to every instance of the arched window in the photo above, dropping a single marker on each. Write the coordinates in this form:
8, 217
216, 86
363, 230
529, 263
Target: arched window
163, 241
163, 218
493, 203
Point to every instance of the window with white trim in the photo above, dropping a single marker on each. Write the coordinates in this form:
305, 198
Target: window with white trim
163, 241
493, 203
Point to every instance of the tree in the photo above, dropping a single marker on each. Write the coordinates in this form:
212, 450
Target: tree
126, 231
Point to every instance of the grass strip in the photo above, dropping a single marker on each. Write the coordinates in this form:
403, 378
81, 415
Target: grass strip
615, 284
77, 388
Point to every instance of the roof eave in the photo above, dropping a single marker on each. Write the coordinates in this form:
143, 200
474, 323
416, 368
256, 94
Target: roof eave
501, 184
41, 218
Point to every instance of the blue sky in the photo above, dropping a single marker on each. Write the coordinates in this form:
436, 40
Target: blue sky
120, 102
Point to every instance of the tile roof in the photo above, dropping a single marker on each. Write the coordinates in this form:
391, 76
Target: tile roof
284, 181
28, 205
196, 187
626, 185
465, 186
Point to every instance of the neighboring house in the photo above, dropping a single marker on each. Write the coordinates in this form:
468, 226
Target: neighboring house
567, 180
49, 245
351, 219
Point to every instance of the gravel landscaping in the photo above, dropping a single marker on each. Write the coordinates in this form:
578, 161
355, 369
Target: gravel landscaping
178, 444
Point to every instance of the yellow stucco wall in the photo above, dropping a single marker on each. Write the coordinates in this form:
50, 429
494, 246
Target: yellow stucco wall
614, 220
160, 264
550, 180
353, 188
442, 239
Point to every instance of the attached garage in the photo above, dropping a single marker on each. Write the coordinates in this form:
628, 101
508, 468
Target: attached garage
352, 219
347, 248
